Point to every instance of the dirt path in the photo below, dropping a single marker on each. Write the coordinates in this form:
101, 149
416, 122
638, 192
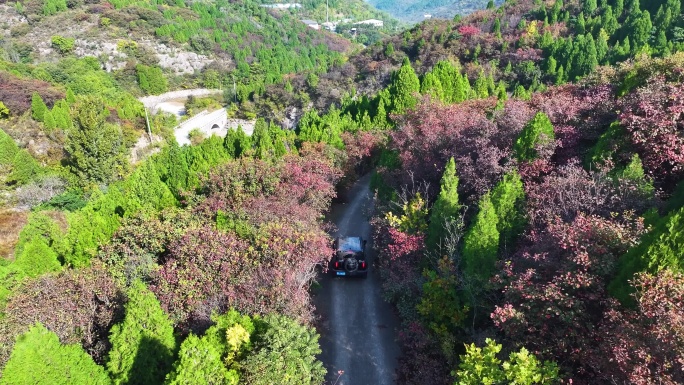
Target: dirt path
358, 328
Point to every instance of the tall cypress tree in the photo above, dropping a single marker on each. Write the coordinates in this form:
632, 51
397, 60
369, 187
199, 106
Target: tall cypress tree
508, 197
404, 87
38, 107
143, 345
261, 139
481, 242
432, 86
446, 206
8, 149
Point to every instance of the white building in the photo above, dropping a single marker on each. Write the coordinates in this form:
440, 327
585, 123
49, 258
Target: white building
373, 22
311, 24
427, 16
282, 6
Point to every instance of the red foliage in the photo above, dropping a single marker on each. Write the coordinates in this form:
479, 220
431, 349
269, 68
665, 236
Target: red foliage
80, 306
432, 133
422, 362
270, 240
555, 292
647, 346
468, 30
654, 117
16, 93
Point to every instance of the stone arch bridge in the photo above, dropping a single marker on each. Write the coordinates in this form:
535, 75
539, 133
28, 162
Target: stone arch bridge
209, 123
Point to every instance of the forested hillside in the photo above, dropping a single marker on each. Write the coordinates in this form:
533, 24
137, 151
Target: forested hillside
415, 10
528, 169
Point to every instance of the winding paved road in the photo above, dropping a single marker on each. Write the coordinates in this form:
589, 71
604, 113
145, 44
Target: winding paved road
358, 328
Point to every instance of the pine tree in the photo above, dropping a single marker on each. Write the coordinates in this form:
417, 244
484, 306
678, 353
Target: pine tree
49, 121
380, 120
404, 87
39, 358
619, 8
496, 29
602, 46
143, 345
243, 143
640, 26
25, 168
61, 113
38, 107
508, 197
70, 97
581, 25
537, 132
589, 6
481, 242
144, 190
95, 147
261, 139
284, 353
446, 206
481, 86
229, 142
432, 86
610, 23
8, 149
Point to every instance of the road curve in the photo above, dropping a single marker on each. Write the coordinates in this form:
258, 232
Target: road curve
358, 328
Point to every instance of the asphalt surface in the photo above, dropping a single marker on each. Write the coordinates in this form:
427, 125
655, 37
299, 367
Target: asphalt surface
358, 328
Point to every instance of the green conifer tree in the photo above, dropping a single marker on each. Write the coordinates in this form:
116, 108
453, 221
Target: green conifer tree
537, 132
49, 121
25, 168
446, 206
8, 149
143, 345
619, 8
380, 119
70, 97
38, 107
610, 23
581, 25
404, 88
39, 358
481, 86
602, 46
508, 197
284, 353
589, 6
432, 86
95, 147
481, 242
261, 139
243, 143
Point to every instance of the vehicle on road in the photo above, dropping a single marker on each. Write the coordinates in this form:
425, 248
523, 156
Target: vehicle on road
349, 259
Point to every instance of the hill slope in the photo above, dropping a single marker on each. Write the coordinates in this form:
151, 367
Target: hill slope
413, 11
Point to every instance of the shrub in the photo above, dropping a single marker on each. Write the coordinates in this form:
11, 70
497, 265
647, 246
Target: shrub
64, 45
535, 136
284, 353
38, 357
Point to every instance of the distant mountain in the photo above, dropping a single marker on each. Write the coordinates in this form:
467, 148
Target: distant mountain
415, 10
